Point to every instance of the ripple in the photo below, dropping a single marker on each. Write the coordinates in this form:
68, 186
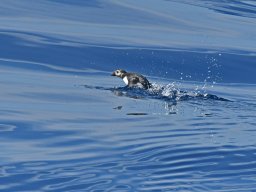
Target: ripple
6, 127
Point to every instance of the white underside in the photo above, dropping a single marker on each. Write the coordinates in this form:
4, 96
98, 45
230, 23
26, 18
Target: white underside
137, 85
125, 80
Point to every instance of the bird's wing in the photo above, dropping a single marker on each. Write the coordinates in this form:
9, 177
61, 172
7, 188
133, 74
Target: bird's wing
144, 81
134, 79
139, 80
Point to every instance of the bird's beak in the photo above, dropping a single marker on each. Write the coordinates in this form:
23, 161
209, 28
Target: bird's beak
113, 74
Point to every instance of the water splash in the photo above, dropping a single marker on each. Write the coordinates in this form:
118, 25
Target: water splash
169, 93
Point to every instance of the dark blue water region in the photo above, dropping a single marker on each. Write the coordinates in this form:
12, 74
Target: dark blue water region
195, 65
234, 7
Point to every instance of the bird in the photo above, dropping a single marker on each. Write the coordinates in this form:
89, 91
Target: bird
132, 79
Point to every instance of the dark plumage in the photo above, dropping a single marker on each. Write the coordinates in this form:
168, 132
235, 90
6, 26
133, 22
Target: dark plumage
132, 79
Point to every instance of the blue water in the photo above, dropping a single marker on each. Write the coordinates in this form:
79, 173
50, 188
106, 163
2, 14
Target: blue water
67, 125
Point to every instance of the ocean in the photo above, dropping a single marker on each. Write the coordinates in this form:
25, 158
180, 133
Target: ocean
67, 125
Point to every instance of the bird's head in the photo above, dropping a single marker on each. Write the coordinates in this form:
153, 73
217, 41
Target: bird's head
119, 73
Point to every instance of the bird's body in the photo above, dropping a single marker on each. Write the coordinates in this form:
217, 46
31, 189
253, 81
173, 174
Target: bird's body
132, 79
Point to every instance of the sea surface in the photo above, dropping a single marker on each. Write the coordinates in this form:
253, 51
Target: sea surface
67, 125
